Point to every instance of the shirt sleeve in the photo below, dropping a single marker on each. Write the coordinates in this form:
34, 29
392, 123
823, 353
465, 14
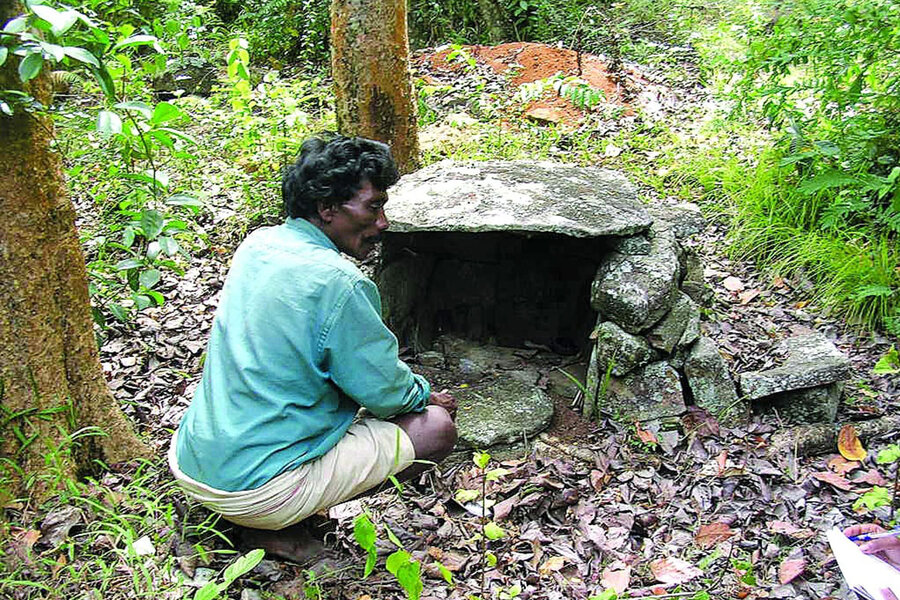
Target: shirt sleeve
361, 355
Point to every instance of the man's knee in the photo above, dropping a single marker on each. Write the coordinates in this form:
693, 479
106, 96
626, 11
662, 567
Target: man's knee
443, 429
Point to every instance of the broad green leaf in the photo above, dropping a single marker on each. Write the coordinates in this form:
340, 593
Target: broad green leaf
371, 559
364, 531
490, 558
109, 122
57, 52
56, 19
877, 496
30, 66
397, 560
152, 223
117, 311
888, 364
493, 531
445, 572
243, 565
165, 111
410, 578
139, 40
142, 107
81, 55
180, 134
891, 454
128, 237
17, 25
168, 245
4, 52
207, 592
142, 301
157, 297
481, 459
393, 538
163, 138
149, 278
105, 81
496, 474
183, 200
463, 496
128, 263
824, 181
68, 18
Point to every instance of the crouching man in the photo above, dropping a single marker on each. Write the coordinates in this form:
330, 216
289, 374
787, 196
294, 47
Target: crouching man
297, 348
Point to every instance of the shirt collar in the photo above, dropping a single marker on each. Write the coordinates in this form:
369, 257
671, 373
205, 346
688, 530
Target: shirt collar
310, 231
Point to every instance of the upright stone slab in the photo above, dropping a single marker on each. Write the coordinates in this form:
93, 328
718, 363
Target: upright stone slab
711, 385
618, 351
637, 290
651, 392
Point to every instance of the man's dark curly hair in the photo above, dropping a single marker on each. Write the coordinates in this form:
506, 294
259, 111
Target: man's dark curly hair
331, 168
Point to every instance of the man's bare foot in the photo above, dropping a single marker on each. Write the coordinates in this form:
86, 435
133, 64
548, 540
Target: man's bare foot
296, 543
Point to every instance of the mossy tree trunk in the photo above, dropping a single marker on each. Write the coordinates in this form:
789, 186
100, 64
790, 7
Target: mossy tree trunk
500, 29
370, 66
51, 381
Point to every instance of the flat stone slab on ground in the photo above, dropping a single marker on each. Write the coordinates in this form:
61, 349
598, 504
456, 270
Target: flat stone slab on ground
505, 411
812, 360
516, 196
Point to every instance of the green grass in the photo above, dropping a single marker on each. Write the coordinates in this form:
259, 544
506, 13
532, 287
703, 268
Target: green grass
854, 266
101, 557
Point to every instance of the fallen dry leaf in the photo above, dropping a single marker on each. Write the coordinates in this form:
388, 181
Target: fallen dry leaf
618, 581
710, 535
748, 295
552, 564
834, 479
791, 569
791, 530
841, 465
598, 480
849, 444
673, 570
722, 460
872, 477
733, 284
647, 437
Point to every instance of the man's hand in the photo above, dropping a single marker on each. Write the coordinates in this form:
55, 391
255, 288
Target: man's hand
886, 548
444, 400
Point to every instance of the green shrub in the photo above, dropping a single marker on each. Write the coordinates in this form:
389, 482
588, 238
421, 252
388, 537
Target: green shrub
291, 30
825, 74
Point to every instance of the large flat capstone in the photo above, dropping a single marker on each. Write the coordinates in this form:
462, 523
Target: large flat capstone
516, 196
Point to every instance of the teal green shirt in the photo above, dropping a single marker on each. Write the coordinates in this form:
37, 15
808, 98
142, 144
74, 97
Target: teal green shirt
297, 347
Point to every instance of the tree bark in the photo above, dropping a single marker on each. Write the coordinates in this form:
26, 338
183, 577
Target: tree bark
370, 66
51, 383
498, 26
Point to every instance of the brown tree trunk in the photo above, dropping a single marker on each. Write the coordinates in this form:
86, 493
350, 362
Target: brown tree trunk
370, 66
51, 383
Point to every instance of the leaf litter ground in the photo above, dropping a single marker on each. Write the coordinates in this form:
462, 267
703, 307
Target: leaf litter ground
643, 509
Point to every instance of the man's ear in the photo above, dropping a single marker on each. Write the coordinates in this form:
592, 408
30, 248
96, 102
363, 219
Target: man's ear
326, 213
